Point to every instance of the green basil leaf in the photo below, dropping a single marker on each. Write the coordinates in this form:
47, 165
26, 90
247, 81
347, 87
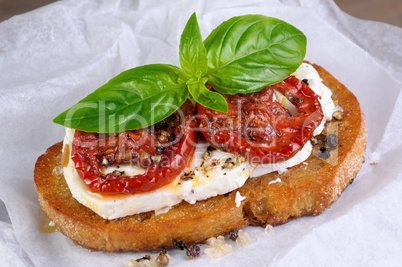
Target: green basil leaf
134, 99
205, 97
247, 53
192, 53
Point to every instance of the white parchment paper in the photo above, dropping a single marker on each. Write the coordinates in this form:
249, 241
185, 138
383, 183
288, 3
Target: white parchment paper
52, 57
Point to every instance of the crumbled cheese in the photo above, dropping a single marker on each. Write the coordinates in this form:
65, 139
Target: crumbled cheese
217, 247
51, 224
278, 180
282, 170
243, 238
269, 229
58, 170
162, 210
338, 108
239, 198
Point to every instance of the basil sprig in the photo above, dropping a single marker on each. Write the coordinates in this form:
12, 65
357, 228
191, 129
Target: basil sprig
242, 55
193, 61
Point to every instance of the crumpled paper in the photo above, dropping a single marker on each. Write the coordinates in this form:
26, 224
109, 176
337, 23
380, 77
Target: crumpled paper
53, 56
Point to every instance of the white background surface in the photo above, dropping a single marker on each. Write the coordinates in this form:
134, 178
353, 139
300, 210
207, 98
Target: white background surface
52, 57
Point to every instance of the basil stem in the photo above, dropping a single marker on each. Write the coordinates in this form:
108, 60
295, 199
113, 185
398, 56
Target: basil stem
205, 97
193, 61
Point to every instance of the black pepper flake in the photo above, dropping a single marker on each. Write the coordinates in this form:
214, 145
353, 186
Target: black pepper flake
332, 141
187, 178
118, 173
159, 150
228, 160
179, 244
211, 148
146, 257
317, 141
305, 81
314, 141
172, 138
234, 234
293, 98
193, 251
323, 153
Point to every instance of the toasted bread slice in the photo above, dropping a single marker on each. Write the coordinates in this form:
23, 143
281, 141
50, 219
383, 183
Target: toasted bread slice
305, 189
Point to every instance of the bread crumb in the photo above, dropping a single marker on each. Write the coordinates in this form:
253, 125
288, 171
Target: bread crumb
278, 180
269, 229
239, 198
217, 247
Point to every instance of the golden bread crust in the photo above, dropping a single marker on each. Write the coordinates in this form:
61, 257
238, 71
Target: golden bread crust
305, 189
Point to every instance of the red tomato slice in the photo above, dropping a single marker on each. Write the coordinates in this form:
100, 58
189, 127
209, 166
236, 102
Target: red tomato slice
260, 128
164, 150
